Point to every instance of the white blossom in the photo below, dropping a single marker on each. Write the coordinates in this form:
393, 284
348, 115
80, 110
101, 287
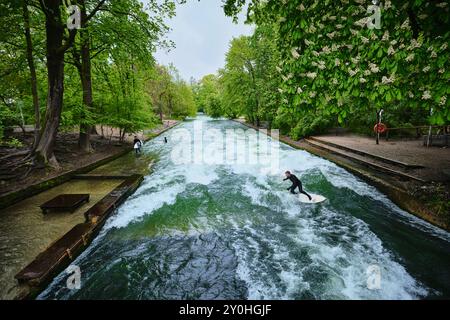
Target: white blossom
442, 101
353, 72
374, 68
312, 29
280, 90
444, 46
315, 53
410, 57
387, 4
385, 36
367, 73
308, 43
311, 75
426, 95
299, 90
414, 44
294, 53
321, 65
334, 81
362, 80
331, 34
386, 80
362, 22
426, 69
326, 49
441, 5
405, 24
364, 40
391, 51
301, 7
433, 54
337, 62
442, 70
312, 94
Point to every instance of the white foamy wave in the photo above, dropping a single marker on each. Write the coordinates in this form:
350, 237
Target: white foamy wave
138, 207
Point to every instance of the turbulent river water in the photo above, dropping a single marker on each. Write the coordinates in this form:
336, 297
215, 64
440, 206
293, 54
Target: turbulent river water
230, 230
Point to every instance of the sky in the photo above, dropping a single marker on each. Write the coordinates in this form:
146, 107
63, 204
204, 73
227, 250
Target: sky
201, 33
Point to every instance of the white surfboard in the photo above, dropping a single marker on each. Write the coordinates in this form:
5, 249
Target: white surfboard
316, 198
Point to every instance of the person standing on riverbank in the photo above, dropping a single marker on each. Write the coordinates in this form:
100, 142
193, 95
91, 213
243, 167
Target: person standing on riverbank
296, 183
137, 145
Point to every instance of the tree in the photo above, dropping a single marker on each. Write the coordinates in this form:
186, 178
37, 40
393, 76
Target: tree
58, 41
250, 79
335, 69
33, 76
208, 96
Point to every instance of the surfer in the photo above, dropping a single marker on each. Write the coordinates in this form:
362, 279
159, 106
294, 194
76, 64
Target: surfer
296, 183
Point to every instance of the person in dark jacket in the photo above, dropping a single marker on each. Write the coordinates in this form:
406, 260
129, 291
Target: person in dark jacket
296, 183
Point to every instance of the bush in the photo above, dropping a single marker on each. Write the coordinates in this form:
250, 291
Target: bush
311, 124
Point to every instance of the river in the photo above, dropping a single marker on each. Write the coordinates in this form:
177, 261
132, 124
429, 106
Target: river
201, 229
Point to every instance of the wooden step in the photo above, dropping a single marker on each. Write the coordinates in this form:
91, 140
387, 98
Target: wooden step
368, 154
363, 160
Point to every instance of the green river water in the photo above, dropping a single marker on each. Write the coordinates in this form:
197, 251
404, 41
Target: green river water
230, 230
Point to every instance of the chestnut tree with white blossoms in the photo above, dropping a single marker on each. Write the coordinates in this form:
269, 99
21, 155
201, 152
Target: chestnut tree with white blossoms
343, 60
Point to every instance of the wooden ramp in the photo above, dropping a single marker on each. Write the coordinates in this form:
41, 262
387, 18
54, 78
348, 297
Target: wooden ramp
386, 165
63, 251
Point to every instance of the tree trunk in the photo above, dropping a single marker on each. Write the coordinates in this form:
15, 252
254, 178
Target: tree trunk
43, 153
84, 141
34, 90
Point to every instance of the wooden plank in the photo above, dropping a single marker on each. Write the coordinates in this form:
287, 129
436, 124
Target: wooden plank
62, 252
68, 202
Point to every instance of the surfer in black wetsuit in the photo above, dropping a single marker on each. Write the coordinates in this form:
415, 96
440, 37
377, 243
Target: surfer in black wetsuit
296, 183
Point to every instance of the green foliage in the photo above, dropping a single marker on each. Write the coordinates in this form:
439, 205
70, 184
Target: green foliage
248, 84
170, 94
333, 65
123, 36
208, 96
12, 143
